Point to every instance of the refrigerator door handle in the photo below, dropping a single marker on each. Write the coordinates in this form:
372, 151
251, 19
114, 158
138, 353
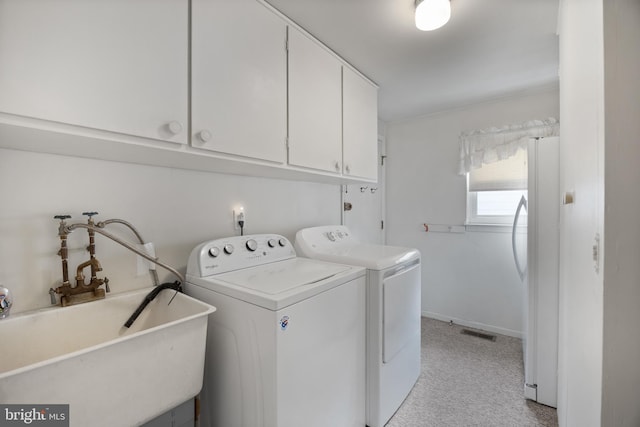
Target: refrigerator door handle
521, 272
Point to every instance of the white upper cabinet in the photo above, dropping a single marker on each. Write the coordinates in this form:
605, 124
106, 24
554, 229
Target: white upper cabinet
239, 79
360, 126
315, 105
117, 65
234, 86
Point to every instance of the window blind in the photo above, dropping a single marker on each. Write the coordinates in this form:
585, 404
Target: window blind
507, 174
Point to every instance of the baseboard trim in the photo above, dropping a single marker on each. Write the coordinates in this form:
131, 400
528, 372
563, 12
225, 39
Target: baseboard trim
474, 325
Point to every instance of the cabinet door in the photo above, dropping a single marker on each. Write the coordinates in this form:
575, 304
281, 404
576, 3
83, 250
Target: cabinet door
360, 126
239, 80
116, 65
315, 105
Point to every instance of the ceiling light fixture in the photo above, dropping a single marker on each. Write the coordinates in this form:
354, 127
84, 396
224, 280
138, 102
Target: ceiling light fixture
432, 14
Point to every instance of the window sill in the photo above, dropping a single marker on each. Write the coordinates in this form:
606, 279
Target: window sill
488, 228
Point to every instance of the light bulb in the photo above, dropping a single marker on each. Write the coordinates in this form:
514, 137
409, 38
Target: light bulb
432, 14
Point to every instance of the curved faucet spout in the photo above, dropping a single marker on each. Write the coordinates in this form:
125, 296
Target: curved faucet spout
94, 263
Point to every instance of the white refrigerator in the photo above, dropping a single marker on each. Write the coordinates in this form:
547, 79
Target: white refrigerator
536, 255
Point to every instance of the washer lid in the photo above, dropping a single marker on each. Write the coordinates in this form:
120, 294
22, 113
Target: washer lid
279, 277
279, 284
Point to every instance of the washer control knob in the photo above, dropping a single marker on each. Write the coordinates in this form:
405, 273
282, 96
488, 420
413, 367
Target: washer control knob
272, 243
228, 249
214, 252
282, 242
331, 236
252, 245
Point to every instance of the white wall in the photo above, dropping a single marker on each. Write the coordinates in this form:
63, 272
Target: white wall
621, 341
466, 277
175, 209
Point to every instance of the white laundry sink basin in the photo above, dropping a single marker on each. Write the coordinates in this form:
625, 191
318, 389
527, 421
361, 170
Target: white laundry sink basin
109, 375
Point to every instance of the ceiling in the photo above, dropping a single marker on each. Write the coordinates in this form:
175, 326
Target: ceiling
489, 49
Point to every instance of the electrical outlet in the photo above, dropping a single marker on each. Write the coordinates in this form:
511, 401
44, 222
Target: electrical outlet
238, 215
145, 265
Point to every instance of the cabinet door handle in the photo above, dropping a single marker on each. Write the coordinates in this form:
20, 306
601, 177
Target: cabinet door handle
337, 165
204, 135
175, 127
347, 169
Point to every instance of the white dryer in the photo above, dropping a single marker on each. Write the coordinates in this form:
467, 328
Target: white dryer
287, 344
393, 312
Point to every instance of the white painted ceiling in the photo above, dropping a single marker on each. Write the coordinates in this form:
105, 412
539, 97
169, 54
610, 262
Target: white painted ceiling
489, 49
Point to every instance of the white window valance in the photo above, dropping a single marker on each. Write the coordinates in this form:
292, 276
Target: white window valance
479, 147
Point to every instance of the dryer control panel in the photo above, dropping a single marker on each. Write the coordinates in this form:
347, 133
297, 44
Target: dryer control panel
237, 252
329, 237
336, 234
335, 243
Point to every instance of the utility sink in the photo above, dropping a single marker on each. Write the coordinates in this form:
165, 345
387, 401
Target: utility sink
109, 375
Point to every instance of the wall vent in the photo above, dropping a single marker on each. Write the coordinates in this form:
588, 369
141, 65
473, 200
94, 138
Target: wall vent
477, 334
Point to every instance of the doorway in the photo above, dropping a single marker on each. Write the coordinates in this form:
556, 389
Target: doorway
362, 204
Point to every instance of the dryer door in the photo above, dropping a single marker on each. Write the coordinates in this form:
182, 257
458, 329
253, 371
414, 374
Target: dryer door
401, 309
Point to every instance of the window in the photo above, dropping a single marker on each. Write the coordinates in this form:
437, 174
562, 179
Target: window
495, 189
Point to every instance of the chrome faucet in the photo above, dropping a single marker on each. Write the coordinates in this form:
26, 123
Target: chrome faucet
5, 302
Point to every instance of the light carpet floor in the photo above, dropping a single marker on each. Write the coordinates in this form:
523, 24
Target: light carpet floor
469, 381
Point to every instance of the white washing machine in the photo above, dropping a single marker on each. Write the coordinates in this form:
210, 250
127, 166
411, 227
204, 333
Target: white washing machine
393, 312
286, 347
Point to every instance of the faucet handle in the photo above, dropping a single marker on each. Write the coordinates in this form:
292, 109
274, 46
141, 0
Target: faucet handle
90, 214
62, 217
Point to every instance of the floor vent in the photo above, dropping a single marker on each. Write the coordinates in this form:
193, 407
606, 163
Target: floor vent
482, 335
